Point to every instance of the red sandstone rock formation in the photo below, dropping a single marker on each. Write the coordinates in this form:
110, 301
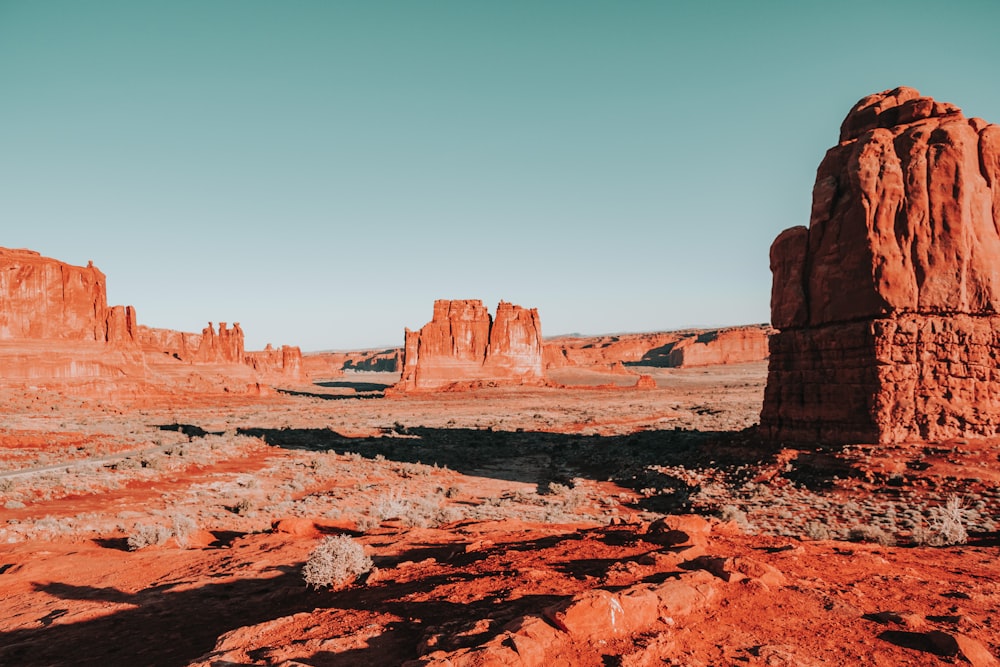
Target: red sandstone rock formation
671, 349
462, 343
56, 325
318, 365
606, 351
45, 299
888, 303
285, 362
55, 322
208, 347
645, 382
724, 346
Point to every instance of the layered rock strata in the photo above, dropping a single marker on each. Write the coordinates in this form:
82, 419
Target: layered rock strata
463, 343
887, 304
55, 322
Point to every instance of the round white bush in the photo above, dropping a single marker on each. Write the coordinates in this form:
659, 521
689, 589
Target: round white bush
336, 562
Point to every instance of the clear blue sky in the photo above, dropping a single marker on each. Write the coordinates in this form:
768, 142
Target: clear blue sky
322, 171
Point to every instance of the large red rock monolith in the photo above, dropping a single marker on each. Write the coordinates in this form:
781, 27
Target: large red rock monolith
44, 299
462, 343
887, 305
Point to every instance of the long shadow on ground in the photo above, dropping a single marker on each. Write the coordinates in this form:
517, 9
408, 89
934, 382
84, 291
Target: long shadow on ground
635, 461
169, 625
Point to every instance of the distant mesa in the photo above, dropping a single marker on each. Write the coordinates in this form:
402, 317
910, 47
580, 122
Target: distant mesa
887, 304
56, 325
668, 349
322, 365
463, 344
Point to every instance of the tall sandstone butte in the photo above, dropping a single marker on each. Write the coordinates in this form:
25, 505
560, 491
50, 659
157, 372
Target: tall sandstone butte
887, 305
463, 344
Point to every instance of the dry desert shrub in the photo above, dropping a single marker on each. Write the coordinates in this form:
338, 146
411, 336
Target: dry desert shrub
818, 531
947, 526
414, 511
337, 561
183, 528
145, 535
870, 533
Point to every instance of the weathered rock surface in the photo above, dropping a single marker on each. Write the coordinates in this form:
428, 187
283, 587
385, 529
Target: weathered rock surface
463, 343
45, 299
887, 304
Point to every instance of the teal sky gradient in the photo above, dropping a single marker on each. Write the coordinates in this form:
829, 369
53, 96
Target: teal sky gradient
322, 171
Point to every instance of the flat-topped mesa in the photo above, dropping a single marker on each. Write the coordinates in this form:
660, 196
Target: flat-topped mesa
463, 344
888, 303
45, 299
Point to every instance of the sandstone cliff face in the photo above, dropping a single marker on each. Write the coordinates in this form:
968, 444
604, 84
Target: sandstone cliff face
724, 346
285, 363
462, 343
208, 347
45, 299
886, 303
55, 322
669, 349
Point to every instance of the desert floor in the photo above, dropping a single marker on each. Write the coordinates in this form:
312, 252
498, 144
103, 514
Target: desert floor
502, 524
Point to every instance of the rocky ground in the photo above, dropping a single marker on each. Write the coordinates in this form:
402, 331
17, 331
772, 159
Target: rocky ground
572, 526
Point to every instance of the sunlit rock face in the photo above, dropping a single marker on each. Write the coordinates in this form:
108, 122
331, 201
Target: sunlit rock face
462, 343
887, 304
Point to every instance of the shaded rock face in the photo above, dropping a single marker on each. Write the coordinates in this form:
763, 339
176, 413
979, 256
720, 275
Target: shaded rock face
887, 304
463, 343
317, 365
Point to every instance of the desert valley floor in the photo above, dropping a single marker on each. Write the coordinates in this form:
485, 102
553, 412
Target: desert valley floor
575, 526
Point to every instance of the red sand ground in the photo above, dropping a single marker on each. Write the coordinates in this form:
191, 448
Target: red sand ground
506, 527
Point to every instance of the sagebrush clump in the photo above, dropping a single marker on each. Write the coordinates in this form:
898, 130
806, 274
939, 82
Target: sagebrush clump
337, 561
145, 535
947, 526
